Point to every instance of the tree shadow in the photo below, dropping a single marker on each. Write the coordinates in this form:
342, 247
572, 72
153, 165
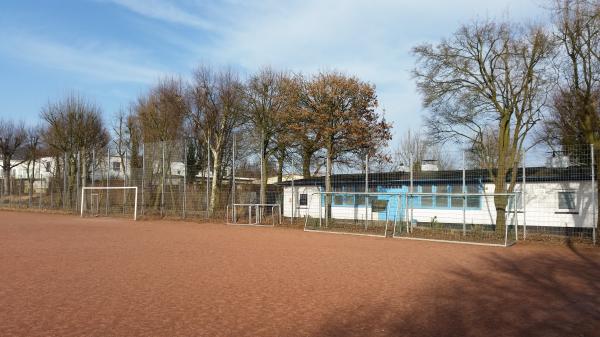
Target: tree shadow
525, 293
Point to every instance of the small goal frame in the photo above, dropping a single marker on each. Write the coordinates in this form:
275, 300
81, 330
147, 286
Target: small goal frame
100, 188
257, 214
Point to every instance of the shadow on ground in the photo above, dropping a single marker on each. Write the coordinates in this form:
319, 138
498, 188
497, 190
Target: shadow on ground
505, 294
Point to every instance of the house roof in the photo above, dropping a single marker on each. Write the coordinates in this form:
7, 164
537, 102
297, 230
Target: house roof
532, 174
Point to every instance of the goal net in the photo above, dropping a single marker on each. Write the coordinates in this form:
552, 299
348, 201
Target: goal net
360, 213
109, 201
254, 214
456, 217
476, 218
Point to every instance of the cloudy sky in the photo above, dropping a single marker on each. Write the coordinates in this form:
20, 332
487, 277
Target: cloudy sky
113, 50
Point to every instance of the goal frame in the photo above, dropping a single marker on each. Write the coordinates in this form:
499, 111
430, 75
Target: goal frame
511, 210
257, 216
366, 194
101, 188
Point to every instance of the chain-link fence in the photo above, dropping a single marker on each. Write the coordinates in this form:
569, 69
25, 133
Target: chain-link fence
450, 195
463, 196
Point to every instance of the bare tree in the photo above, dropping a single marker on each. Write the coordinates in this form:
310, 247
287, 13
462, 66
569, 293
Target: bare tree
74, 125
217, 111
411, 150
121, 140
575, 117
487, 73
266, 104
162, 111
413, 147
32, 154
13, 137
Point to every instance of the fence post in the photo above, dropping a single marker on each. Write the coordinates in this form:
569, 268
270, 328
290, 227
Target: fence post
65, 181
207, 176
233, 181
124, 166
41, 179
409, 224
30, 192
523, 195
162, 187
184, 177
107, 177
143, 174
93, 167
367, 190
594, 206
293, 195
464, 189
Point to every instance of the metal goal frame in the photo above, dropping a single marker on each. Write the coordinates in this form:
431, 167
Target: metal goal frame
256, 221
101, 188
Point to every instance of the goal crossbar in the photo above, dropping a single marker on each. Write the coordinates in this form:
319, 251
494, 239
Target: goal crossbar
100, 188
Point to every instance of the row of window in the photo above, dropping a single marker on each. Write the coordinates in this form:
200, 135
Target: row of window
566, 199
419, 201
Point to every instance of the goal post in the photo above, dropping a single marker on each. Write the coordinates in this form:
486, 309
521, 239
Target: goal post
356, 213
253, 214
123, 198
490, 219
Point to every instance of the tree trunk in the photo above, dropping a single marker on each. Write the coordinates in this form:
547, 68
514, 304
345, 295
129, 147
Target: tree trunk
263, 171
30, 180
280, 169
328, 189
215, 183
306, 157
6, 170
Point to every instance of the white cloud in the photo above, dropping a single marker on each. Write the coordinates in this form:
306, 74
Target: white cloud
165, 11
371, 39
102, 62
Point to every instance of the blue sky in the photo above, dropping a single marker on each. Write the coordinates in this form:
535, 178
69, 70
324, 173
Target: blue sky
113, 50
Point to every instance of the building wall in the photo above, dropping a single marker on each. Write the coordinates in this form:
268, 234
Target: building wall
541, 207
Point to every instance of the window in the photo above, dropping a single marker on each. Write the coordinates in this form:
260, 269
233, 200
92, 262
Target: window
47, 165
303, 200
359, 199
116, 166
566, 200
343, 199
456, 202
441, 201
426, 200
474, 201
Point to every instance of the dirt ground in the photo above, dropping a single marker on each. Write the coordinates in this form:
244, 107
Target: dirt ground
65, 276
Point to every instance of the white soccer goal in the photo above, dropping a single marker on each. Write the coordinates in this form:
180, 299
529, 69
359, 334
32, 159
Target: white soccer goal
356, 213
253, 214
470, 218
112, 200
450, 217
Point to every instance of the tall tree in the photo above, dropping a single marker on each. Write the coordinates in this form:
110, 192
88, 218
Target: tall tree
575, 117
217, 111
487, 74
32, 154
162, 111
13, 137
266, 104
161, 114
74, 125
342, 109
300, 132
